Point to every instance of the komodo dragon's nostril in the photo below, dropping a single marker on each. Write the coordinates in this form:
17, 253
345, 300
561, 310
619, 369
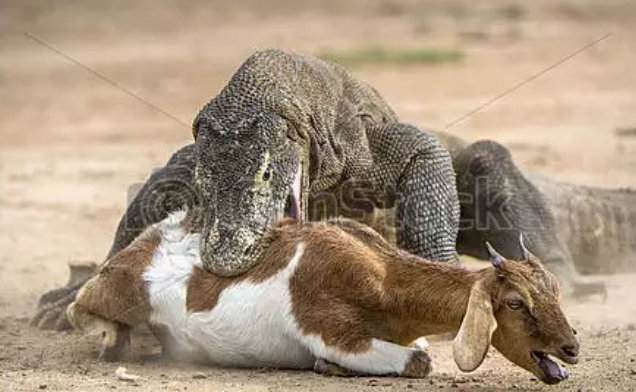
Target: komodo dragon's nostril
248, 250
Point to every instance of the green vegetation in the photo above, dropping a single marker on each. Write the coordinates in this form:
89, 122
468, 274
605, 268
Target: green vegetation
382, 56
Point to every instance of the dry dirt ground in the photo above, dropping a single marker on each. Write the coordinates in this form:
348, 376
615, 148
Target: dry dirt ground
71, 142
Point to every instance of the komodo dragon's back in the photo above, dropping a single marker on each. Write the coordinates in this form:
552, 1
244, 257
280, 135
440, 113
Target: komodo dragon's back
299, 86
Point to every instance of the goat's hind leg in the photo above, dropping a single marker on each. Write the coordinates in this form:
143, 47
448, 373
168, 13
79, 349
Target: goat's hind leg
379, 359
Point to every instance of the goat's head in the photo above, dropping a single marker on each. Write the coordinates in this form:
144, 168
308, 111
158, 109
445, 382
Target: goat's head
515, 306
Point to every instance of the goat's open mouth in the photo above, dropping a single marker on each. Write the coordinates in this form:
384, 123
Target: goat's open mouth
553, 372
294, 205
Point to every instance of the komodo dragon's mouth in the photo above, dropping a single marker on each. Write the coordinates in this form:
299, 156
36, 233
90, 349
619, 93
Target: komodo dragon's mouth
294, 205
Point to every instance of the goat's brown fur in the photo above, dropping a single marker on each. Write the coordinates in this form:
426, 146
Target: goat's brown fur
204, 288
116, 298
375, 293
118, 292
353, 286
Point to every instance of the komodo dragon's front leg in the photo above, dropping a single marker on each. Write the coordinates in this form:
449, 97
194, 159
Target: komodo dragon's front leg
415, 172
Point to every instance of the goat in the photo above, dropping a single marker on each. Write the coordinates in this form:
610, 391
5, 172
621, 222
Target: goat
334, 296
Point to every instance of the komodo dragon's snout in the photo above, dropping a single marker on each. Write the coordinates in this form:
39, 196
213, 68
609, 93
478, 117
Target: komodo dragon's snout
249, 174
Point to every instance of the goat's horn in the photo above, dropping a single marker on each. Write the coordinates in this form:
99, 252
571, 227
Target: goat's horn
525, 253
495, 257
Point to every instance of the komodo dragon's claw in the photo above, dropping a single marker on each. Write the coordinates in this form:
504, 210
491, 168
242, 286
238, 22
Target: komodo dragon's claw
53, 315
52, 304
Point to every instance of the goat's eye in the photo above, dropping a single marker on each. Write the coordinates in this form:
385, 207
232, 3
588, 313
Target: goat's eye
515, 304
267, 174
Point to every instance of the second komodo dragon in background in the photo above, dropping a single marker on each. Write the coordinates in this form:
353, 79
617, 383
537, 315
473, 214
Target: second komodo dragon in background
298, 135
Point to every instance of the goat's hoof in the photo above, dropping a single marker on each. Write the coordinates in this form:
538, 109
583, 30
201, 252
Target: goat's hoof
420, 344
52, 305
419, 366
115, 343
327, 368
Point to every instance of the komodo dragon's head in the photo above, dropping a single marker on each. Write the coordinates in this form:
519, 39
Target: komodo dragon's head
249, 174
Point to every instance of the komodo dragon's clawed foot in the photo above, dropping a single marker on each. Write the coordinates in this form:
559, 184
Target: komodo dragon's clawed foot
53, 315
52, 305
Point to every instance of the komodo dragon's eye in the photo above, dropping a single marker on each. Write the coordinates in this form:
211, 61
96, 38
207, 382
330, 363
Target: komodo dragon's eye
267, 174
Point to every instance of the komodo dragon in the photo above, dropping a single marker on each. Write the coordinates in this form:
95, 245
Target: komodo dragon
296, 134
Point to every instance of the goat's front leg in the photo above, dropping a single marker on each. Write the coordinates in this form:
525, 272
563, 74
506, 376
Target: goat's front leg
380, 359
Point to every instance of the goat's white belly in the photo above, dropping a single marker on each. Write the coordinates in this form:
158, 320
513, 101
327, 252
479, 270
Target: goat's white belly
250, 326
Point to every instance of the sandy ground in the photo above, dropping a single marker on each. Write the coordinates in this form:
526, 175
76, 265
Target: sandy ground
71, 143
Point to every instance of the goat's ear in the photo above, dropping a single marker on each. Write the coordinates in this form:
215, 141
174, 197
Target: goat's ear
473, 339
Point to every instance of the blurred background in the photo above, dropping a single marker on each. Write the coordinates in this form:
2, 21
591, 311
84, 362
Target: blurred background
95, 94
